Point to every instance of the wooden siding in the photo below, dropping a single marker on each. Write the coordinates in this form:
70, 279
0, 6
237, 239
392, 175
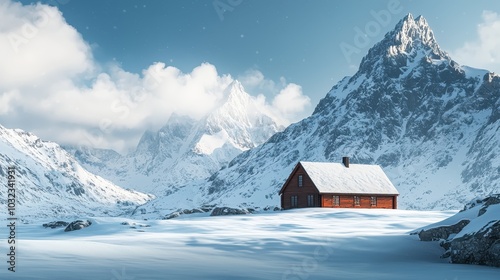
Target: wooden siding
347, 201
292, 189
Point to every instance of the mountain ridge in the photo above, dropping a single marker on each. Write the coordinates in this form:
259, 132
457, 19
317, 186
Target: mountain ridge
185, 149
49, 183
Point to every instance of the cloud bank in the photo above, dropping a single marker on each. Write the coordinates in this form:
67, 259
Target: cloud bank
485, 52
50, 84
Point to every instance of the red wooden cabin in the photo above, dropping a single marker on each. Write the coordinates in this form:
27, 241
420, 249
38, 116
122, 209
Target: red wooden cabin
338, 185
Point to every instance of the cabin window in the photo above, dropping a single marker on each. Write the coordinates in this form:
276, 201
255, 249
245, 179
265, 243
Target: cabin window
356, 201
310, 200
373, 201
301, 180
294, 200
336, 200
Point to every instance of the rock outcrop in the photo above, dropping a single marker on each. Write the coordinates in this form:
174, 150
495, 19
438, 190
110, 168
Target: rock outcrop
224, 211
77, 225
482, 247
473, 236
55, 224
442, 232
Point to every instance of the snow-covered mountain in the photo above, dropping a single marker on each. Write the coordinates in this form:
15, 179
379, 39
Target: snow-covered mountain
186, 150
432, 124
50, 183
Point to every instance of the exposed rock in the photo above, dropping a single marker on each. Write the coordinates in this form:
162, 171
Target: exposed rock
223, 211
192, 211
55, 224
475, 241
77, 225
180, 212
482, 247
492, 200
207, 208
172, 215
442, 232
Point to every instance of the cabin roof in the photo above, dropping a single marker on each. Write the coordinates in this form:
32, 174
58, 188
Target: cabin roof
329, 177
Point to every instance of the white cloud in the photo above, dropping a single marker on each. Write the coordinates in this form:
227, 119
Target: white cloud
485, 52
51, 85
6, 101
288, 101
291, 100
254, 81
37, 45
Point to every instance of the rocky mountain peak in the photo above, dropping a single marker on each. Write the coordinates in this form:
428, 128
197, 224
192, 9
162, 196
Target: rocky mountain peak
412, 33
411, 41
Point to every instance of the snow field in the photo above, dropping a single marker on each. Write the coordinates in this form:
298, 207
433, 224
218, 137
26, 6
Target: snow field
310, 243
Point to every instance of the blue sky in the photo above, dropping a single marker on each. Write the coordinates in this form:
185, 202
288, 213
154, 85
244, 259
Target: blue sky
298, 40
281, 43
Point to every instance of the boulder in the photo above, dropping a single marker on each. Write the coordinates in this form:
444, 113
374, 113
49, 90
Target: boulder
180, 212
223, 211
55, 224
77, 225
192, 211
442, 232
172, 215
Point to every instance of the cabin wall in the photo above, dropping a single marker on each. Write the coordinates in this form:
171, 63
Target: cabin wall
347, 201
293, 189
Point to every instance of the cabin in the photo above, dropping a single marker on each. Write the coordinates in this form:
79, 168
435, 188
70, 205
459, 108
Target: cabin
338, 185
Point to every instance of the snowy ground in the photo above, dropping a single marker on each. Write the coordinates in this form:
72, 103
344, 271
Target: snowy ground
295, 244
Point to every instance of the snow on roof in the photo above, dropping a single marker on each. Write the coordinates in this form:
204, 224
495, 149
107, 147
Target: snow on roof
331, 177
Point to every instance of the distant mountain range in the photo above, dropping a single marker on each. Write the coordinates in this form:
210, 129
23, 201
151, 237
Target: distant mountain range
432, 124
50, 183
186, 150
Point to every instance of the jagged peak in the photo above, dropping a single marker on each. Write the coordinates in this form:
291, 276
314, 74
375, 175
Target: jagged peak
412, 38
409, 33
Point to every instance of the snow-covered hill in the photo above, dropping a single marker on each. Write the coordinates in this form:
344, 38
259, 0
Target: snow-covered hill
186, 150
51, 183
432, 124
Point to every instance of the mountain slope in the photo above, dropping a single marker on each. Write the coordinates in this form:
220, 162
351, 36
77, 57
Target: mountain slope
186, 150
50, 183
432, 124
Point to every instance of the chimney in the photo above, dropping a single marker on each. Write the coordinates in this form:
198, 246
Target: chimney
345, 161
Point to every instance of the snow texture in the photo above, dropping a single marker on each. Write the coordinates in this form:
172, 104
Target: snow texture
357, 179
294, 244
